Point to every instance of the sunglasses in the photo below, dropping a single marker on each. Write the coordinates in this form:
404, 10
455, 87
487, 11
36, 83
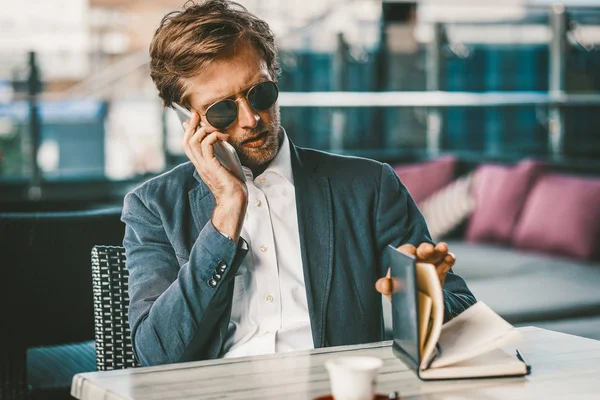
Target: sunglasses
224, 113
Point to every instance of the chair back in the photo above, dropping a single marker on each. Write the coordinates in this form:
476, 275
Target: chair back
114, 349
45, 282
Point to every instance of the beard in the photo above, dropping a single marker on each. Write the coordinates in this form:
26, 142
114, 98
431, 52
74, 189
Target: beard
260, 156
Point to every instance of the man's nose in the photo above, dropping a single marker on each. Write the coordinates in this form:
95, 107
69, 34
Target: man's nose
247, 116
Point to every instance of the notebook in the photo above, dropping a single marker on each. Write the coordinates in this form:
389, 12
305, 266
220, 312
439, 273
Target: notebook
468, 346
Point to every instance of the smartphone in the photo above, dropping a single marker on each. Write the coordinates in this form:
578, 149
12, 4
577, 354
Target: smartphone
224, 152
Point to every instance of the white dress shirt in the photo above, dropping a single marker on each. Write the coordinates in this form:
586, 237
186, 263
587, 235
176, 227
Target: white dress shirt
270, 311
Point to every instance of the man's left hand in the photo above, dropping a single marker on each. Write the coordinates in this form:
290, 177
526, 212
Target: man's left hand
439, 256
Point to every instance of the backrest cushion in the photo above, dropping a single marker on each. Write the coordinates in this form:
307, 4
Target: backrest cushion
424, 179
500, 193
561, 216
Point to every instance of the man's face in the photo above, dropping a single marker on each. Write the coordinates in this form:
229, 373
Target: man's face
255, 134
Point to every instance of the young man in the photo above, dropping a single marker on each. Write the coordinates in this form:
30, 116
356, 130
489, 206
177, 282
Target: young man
290, 259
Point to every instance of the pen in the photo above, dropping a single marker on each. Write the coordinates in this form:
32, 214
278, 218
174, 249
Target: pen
521, 357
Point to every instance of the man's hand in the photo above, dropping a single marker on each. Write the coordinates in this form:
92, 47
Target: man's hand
231, 195
439, 256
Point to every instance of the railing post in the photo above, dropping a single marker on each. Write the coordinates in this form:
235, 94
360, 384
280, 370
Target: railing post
433, 70
34, 86
340, 72
556, 85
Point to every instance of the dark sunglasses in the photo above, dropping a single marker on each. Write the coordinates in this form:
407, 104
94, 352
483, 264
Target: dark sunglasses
261, 97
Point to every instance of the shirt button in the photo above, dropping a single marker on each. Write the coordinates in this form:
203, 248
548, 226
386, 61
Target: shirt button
212, 283
261, 179
257, 203
263, 248
269, 298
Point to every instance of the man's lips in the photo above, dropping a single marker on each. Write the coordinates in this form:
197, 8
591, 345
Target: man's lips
255, 141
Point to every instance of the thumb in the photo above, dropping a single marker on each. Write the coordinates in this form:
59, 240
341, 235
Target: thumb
384, 286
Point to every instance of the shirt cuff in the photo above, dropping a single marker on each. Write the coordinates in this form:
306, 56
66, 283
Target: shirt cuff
241, 242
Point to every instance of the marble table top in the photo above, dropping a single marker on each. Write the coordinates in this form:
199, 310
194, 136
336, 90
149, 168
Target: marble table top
563, 366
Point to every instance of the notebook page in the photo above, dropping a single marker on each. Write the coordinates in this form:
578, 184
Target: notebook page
428, 282
475, 331
425, 322
493, 363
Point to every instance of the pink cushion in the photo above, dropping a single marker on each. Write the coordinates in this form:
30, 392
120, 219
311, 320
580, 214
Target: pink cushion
561, 216
424, 179
499, 196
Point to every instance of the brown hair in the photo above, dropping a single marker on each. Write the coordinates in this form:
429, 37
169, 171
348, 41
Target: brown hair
188, 40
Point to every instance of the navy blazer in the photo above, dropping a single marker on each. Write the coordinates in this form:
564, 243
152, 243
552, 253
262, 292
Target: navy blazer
349, 209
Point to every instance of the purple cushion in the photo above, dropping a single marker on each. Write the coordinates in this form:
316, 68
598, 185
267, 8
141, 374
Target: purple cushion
499, 196
424, 179
561, 216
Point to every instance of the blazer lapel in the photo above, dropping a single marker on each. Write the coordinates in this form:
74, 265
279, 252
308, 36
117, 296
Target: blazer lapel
315, 223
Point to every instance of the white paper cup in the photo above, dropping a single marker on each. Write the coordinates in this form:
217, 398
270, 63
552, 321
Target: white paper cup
353, 378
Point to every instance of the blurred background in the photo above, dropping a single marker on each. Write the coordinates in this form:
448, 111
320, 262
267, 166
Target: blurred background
80, 117
488, 110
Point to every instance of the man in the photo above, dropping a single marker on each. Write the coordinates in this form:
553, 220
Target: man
288, 259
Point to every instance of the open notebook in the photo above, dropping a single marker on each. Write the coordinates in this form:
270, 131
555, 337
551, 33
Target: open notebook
465, 347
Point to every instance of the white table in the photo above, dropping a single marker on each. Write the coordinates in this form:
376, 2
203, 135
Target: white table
563, 366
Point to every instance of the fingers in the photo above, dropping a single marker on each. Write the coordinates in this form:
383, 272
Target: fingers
197, 139
190, 127
209, 140
443, 268
435, 255
198, 143
408, 249
439, 253
425, 252
190, 146
450, 259
442, 271
441, 249
446, 262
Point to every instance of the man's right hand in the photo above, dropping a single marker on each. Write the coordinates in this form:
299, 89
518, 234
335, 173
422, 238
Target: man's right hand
231, 195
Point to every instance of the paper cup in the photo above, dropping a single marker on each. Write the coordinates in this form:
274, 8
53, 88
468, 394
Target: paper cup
353, 378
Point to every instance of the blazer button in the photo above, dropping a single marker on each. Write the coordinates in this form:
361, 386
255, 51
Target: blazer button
221, 267
217, 277
212, 283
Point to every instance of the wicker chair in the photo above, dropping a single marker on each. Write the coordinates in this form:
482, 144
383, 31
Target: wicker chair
111, 302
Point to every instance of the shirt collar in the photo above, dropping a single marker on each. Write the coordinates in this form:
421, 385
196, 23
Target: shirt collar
281, 164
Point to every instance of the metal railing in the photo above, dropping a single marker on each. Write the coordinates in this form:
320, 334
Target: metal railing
435, 99
556, 99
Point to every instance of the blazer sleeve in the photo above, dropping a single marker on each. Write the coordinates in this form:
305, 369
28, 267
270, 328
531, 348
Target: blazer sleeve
399, 221
174, 310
